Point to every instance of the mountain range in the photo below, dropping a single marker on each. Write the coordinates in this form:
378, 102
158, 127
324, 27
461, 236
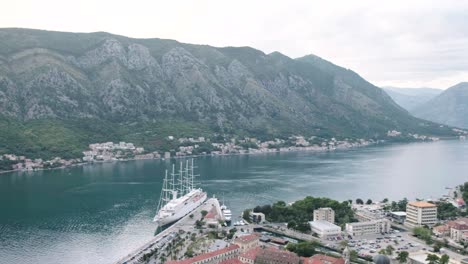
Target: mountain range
450, 107
410, 98
61, 91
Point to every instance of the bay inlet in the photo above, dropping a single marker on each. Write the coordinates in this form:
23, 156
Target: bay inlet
97, 213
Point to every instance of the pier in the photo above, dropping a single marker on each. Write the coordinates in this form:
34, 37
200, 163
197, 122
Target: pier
160, 241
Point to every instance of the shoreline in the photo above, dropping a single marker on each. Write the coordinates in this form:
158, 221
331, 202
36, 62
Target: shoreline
223, 155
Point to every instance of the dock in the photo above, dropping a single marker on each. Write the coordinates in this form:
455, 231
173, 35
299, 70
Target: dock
160, 241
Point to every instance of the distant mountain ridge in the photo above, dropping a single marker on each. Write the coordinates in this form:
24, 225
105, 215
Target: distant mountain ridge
108, 85
450, 107
410, 98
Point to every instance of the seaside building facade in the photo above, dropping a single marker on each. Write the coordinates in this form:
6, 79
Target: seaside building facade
325, 229
368, 227
420, 214
326, 214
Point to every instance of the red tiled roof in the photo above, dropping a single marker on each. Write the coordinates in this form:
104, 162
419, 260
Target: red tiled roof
323, 259
277, 255
212, 214
204, 256
231, 261
250, 254
246, 238
442, 228
459, 224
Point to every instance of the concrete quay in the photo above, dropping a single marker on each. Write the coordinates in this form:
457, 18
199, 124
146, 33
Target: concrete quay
162, 239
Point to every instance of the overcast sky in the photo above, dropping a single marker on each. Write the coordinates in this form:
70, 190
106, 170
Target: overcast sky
397, 43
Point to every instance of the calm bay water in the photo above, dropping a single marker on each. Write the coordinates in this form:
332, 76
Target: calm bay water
98, 213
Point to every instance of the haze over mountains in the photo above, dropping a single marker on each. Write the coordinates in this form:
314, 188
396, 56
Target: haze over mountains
410, 98
450, 107
65, 90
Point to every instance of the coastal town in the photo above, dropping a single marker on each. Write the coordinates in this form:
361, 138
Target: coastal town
199, 146
416, 232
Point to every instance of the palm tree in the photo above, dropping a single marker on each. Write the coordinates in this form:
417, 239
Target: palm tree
444, 259
402, 256
432, 259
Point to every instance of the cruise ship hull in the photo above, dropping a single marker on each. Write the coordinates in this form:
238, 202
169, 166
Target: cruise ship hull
182, 207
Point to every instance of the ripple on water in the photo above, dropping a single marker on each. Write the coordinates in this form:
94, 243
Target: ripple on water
101, 212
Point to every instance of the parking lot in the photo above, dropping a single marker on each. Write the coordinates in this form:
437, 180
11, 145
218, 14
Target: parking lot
370, 245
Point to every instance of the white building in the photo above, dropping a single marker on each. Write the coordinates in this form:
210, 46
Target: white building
325, 213
325, 229
420, 214
369, 227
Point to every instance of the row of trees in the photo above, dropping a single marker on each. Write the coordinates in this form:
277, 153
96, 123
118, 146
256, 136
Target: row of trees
464, 191
424, 234
360, 201
434, 259
303, 249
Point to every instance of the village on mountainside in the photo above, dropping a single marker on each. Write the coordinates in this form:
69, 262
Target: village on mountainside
189, 146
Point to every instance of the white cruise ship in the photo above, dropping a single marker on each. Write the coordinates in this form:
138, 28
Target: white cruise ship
179, 197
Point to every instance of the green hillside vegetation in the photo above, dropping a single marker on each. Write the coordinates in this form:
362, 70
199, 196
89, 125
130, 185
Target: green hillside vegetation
48, 138
300, 212
61, 91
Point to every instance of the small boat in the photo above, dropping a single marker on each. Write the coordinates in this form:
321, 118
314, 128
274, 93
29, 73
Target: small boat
226, 213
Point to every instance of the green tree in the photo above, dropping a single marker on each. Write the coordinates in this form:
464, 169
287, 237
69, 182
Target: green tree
444, 259
354, 255
446, 211
389, 250
292, 224
402, 256
359, 201
369, 201
246, 215
302, 249
383, 251
301, 211
343, 243
423, 233
199, 224
402, 204
385, 200
432, 259
204, 213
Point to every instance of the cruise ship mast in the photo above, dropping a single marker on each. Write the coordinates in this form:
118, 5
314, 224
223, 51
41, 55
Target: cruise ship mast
192, 167
179, 184
165, 194
179, 196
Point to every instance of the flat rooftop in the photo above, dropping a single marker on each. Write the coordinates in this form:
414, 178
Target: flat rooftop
422, 204
399, 213
322, 224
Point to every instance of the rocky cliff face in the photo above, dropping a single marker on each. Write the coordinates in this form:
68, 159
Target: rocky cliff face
98, 75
